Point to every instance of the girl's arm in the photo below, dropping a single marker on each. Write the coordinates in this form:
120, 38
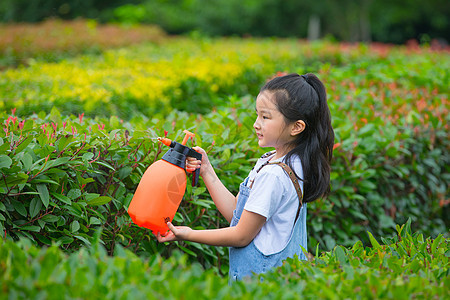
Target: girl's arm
240, 235
224, 200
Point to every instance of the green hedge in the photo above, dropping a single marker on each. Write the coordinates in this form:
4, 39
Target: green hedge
404, 266
63, 176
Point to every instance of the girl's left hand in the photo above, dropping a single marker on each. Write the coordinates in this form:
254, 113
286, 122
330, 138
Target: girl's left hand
176, 233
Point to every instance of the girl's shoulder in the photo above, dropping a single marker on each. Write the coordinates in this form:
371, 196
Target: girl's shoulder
268, 154
274, 167
268, 168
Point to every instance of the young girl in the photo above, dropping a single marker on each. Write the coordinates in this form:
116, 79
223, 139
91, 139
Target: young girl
268, 216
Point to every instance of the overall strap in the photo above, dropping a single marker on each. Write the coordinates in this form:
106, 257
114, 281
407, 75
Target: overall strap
293, 178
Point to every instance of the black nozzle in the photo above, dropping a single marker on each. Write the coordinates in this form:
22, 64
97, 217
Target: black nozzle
177, 155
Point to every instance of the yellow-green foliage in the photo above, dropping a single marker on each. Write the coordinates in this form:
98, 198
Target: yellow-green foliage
148, 77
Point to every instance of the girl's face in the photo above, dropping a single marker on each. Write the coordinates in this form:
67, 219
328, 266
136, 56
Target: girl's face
270, 126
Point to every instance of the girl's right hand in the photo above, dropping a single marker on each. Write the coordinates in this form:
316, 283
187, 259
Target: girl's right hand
193, 164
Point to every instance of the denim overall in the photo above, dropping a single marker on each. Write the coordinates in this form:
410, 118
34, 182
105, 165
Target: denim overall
244, 261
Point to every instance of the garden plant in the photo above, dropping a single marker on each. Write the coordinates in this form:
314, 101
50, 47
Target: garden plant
78, 133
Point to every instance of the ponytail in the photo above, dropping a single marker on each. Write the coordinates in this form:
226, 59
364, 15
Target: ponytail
306, 100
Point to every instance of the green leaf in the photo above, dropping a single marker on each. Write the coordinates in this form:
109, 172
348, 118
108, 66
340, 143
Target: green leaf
408, 227
85, 240
61, 198
33, 228
94, 221
74, 194
114, 122
27, 161
87, 156
36, 164
399, 229
24, 143
43, 193
340, 255
104, 164
385, 241
18, 206
35, 207
64, 142
435, 244
186, 250
57, 162
5, 161
99, 200
374, 242
4, 146
43, 239
43, 180
401, 250
225, 155
13, 180
74, 226
50, 218
86, 180
91, 196
304, 251
74, 210
125, 172
65, 240
61, 221
199, 190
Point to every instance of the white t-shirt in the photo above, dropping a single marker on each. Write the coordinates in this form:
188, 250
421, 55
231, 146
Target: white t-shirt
273, 196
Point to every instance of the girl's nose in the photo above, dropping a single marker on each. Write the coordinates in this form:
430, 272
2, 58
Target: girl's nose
256, 124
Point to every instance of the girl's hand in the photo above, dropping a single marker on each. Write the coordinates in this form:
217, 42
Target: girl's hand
193, 164
176, 233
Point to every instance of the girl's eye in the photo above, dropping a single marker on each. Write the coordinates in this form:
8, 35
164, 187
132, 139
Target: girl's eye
262, 116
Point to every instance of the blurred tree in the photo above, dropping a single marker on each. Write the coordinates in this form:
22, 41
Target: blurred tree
393, 21
347, 20
38, 10
397, 21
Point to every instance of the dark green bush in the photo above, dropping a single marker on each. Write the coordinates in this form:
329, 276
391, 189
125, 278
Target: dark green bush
61, 185
64, 177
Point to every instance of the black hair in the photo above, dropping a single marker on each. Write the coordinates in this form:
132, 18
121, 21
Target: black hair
303, 97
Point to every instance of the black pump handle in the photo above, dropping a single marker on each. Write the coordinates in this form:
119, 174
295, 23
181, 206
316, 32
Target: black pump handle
196, 173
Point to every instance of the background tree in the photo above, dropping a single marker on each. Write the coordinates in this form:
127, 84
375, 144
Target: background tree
391, 21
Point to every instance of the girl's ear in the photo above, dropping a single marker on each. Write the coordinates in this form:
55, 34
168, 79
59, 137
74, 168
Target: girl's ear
297, 127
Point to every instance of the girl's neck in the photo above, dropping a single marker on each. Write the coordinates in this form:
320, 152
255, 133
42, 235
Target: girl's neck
280, 152
277, 155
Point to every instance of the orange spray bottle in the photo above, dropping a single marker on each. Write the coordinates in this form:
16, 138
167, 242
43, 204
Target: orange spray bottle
161, 189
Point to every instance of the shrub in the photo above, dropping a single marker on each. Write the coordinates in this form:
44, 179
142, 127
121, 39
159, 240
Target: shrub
389, 109
64, 177
53, 40
405, 266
